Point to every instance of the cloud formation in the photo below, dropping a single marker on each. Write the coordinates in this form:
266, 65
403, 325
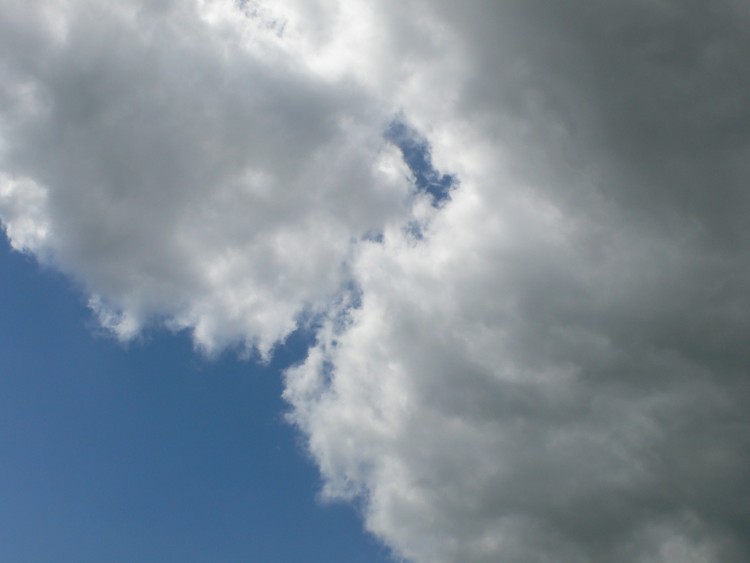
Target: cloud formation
186, 165
554, 369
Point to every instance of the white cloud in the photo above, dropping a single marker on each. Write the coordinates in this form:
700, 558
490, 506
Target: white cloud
191, 167
555, 371
25, 210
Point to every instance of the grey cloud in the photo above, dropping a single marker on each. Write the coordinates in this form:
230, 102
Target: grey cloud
483, 419
653, 92
559, 371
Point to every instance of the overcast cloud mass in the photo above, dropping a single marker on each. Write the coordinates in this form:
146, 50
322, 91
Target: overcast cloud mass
532, 335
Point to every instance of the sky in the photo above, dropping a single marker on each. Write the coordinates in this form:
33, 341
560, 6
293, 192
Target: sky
148, 452
336, 280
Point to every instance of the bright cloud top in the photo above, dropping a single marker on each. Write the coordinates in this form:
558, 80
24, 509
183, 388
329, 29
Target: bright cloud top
535, 315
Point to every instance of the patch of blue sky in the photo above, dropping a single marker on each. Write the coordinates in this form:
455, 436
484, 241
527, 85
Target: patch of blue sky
149, 452
416, 152
373, 236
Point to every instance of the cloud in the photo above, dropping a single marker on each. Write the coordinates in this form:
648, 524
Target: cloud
556, 372
554, 369
188, 166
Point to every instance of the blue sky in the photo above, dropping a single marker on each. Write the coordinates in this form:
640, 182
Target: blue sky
148, 451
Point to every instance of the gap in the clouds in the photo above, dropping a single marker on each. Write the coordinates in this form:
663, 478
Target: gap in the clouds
417, 154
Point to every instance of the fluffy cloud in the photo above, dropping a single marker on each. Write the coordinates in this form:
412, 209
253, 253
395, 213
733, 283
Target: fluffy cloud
187, 166
550, 365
